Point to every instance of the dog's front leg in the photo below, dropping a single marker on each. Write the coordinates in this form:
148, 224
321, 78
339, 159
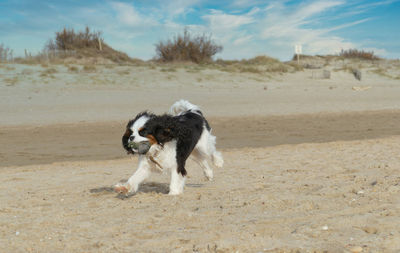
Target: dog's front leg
132, 185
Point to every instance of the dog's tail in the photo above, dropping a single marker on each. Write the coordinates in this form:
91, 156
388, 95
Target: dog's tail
182, 106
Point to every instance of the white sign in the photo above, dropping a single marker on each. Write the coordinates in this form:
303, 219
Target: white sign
297, 49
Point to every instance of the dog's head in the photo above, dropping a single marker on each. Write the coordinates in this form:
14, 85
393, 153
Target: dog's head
132, 134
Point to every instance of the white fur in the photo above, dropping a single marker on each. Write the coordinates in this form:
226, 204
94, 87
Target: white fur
142, 173
166, 155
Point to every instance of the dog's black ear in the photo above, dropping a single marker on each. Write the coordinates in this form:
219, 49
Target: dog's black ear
163, 134
125, 139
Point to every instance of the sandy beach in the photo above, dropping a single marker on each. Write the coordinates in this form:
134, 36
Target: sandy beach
311, 163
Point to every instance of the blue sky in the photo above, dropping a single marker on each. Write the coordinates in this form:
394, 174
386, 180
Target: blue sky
245, 28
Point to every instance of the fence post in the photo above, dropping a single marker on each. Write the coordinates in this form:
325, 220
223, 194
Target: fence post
100, 47
298, 51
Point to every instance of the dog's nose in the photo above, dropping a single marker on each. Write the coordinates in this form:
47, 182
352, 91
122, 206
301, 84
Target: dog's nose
131, 138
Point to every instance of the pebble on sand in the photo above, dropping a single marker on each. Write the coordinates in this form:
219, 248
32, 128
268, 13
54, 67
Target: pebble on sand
356, 249
370, 230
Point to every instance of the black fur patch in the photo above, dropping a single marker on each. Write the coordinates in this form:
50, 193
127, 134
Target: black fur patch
186, 129
206, 122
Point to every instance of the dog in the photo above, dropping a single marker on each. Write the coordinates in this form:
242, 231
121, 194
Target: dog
173, 137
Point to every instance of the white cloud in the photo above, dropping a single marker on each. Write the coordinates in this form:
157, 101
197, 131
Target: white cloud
175, 8
348, 25
233, 31
242, 40
126, 14
328, 45
246, 3
219, 20
316, 7
279, 23
293, 26
375, 4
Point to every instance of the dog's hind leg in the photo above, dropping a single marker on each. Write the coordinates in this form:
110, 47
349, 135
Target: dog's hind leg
206, 146
204, 150
217, 159
211, 150
201, 159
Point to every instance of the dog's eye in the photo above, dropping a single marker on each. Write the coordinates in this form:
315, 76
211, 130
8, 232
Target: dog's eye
142, 132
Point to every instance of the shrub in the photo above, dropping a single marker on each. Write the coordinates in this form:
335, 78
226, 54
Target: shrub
303, 56
261, 60
50, 71
359, 54
226, 62
89, 68
250, 69
73, 69
11, 81
67, 39
82, 44
6, 53
270, 64
258, 64
198, 49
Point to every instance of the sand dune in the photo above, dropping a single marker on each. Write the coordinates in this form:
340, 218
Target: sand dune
120, 92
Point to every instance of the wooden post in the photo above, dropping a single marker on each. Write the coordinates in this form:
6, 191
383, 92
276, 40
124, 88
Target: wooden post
298, 51
100, 47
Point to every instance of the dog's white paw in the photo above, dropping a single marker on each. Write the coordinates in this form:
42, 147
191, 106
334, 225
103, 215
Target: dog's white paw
217, 159
209, 174
122, 189
174, 193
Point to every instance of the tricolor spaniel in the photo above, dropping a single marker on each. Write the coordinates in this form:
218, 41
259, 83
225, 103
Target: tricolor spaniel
165, 142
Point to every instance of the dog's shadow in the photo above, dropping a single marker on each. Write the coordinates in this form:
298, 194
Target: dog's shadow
147, 187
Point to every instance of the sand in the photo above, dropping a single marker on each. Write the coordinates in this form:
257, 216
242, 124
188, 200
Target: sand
311, 165
102, 140
329, 196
